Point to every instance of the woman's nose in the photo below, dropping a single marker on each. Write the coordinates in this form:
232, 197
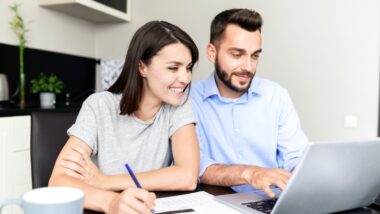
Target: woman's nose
184, 76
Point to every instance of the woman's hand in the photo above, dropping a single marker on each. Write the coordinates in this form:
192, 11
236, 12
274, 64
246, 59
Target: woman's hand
132, 200
78, 164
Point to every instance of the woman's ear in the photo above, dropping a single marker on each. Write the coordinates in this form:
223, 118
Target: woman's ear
211, 52
142, 69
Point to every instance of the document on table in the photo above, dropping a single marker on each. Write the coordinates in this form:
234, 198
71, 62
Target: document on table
198, 202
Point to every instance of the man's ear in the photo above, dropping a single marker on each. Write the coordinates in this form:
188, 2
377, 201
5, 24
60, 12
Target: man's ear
211, 52
142, 69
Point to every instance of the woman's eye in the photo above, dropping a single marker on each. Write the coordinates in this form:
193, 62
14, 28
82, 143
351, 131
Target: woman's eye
173, 68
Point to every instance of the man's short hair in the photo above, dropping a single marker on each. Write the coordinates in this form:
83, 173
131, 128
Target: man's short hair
247, 19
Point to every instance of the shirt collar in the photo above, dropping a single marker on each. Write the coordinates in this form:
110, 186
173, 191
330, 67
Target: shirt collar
211, 88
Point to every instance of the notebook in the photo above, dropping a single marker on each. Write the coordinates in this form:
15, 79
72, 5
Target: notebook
330, 177
197, 202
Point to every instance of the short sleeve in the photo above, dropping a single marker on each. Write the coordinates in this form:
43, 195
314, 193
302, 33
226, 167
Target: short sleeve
85, 126
183, 115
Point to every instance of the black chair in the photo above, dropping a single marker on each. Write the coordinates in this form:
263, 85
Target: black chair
48, 136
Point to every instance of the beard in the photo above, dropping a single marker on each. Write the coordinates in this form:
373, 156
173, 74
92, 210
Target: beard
227, 79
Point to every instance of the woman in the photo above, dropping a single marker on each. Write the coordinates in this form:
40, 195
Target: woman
144, 119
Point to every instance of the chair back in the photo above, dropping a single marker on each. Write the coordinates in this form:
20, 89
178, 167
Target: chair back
48, 136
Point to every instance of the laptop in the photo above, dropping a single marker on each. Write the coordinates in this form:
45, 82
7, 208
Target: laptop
330, 177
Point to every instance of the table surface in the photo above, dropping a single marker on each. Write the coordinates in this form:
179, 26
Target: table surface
217, 190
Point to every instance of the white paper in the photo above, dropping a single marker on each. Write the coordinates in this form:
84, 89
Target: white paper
202, 202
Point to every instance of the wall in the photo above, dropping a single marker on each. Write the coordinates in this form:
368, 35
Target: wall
326, 53
48, 29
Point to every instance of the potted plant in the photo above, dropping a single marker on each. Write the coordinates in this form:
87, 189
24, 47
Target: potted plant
19, 29
47, 86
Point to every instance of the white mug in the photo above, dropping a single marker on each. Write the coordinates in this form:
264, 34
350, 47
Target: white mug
57, 200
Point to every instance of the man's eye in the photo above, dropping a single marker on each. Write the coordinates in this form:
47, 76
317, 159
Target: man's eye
235, 54
256, 56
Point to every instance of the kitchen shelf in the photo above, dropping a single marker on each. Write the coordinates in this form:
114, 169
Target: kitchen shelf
89, 10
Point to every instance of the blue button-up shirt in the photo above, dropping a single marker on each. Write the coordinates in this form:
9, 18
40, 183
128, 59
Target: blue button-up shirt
260, 128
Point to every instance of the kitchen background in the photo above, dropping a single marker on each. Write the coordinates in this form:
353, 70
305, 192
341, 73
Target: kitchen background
326, 53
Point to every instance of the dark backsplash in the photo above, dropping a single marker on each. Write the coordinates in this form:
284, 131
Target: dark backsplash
76, 72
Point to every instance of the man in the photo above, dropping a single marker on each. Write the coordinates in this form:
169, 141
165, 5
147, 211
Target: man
247, 127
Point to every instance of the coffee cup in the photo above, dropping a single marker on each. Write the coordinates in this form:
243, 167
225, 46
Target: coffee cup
57, 200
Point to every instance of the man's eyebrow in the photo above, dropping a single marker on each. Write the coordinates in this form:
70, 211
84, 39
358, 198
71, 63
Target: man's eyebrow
237, 49
258, 51
241, 50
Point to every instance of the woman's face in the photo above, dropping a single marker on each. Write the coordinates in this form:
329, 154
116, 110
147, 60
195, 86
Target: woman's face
168, 74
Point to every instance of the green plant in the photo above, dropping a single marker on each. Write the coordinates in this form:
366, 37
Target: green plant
19, 29
46, 83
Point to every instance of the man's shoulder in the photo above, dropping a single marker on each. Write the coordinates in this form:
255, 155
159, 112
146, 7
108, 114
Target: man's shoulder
263, 85
263, 82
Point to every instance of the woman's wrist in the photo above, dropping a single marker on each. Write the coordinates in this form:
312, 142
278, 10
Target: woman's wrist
108, 201
104, 182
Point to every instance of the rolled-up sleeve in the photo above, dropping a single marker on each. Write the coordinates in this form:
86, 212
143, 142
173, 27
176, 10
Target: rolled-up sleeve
291, 139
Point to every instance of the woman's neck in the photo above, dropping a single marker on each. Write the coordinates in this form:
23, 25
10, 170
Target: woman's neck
148, 108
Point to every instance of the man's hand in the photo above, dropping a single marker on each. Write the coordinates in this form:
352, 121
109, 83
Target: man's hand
132, 201
79, 165
263, 178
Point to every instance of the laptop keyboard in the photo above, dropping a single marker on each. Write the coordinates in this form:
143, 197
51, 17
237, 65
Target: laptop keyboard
265, 206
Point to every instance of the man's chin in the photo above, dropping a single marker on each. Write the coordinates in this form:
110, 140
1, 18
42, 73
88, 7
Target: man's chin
241, 87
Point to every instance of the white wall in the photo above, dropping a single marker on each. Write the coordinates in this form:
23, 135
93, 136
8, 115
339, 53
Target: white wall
325, 52
48, 29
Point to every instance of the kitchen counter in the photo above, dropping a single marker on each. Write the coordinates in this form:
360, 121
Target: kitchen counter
14, 110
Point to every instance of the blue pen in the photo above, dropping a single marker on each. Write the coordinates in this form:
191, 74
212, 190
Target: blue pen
135, 179
133, 176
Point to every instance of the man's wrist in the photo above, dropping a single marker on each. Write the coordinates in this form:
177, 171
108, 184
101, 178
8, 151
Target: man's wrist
247, 174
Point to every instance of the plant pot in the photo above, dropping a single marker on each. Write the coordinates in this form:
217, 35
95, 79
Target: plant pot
47, 99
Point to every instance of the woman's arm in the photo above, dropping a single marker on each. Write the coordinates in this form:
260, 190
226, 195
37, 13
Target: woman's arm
132, 200
184, 173
180, 176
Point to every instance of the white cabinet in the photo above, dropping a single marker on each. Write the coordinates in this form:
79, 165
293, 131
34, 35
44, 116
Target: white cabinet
15, 168
89, 10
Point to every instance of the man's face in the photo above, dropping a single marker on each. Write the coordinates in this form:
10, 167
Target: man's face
235, 58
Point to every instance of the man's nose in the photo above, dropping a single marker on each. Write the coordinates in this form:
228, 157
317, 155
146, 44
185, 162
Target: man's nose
247, 64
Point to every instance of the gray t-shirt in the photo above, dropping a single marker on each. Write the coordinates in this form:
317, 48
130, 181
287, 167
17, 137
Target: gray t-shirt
118, 139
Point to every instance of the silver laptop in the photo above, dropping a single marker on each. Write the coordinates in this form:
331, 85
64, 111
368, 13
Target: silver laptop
330, 177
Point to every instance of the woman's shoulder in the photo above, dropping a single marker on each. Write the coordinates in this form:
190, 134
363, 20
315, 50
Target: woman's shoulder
103, 99
181, 111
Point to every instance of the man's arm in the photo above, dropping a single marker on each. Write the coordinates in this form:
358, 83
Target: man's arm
257, 177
